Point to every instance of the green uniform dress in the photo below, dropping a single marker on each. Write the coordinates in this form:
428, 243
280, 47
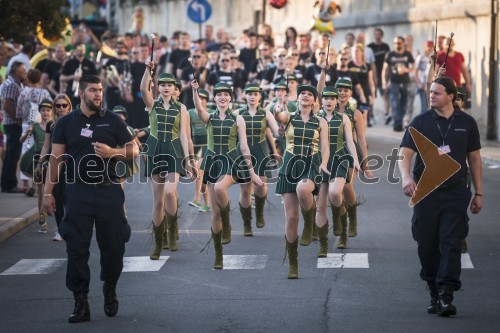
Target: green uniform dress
349, 111
256, 138
302, 157
223, 155
292, 108
198, 133
338, 162
163, 146
29, 160
126, 169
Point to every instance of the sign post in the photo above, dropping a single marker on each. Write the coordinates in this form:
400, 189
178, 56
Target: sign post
199, 11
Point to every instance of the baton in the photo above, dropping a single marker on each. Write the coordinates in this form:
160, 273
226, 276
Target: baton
328, 52
151, 84
448, 51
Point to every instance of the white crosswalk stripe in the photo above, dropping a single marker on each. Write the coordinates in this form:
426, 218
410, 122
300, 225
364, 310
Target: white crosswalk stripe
245, 261
466, 262
35, 266
344, 260
143, 264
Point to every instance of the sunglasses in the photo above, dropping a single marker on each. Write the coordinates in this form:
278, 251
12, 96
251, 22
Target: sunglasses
196, 56
295, 54
224, 60
321, 53
282, 55
343, 59
234, 58
59, 106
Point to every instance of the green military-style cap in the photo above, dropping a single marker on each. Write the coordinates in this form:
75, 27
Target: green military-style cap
204, 94
344, 83
292, 77
178, 84
223, 87
166, 78
280, 85
307, 87
329, 92
461, 93
120, 110
45, 102
252, 87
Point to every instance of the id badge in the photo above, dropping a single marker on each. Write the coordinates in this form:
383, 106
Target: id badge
86, 132
444, 150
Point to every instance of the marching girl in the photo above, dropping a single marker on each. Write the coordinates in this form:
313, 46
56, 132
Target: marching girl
257, 121
339, 135
226, 137
344, 87
306, 156
166, 148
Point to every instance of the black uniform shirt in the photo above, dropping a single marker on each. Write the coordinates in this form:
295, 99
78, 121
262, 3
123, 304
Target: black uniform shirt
462, 138
107, 127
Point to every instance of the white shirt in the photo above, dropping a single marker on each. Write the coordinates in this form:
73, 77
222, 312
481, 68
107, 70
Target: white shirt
21, 57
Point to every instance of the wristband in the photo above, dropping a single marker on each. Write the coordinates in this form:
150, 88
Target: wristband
47, 195
478, 195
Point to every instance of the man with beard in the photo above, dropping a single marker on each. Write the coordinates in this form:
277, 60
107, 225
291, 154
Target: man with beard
74, 69
274, 75
121, 66
199, 60
85, 140
225, 75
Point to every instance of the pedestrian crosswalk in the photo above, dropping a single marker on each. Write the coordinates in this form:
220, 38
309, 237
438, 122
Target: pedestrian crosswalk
231, 262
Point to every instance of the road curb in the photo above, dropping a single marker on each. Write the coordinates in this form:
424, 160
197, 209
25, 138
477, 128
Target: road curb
17, 224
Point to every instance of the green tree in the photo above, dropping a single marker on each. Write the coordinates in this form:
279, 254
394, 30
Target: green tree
19, 18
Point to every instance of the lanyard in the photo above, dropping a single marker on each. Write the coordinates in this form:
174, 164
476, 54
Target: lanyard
445, 135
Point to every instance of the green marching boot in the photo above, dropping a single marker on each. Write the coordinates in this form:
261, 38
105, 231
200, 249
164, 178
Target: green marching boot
158, 234
309, 218
352, 211
246, 215
218, 263
172, 237
315, 236
259, 211
323, 241
337, 228
291, 249
463, 246
165, 231
342, 242
226, 224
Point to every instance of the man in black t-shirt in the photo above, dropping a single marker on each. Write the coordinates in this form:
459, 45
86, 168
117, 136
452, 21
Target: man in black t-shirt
398, 64
179, 55
380, 49
121, 66
343, 72
276, 74
249, 54
199, 59
87, 140
74, 69
52, 70
313, 72
224, 74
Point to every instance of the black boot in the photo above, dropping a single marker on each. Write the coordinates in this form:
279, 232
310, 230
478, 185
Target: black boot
433, 308
110, 299
444, 306
81, 312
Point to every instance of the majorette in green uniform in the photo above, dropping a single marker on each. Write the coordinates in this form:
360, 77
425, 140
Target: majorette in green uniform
285, 91
166, 149
199, 138
306, 156
339, 135
227, 161
344, 87
257, 121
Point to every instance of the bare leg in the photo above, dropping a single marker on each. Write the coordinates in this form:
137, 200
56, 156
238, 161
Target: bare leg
158, 188
291, 202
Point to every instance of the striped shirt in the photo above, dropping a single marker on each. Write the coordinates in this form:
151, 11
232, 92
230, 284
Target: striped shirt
10, 89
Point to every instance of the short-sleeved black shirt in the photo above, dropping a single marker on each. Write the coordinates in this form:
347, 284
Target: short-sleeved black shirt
313, 74
463, 137
107, 127
395, 59
70, 67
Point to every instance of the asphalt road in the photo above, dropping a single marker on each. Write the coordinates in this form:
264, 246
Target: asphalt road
372, 286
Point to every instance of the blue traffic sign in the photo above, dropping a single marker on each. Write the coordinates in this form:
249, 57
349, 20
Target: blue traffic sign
199, 11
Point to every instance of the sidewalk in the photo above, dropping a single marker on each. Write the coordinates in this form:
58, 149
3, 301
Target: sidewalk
17, 211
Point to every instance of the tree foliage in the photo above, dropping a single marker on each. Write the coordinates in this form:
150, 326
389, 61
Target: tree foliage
19, 18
